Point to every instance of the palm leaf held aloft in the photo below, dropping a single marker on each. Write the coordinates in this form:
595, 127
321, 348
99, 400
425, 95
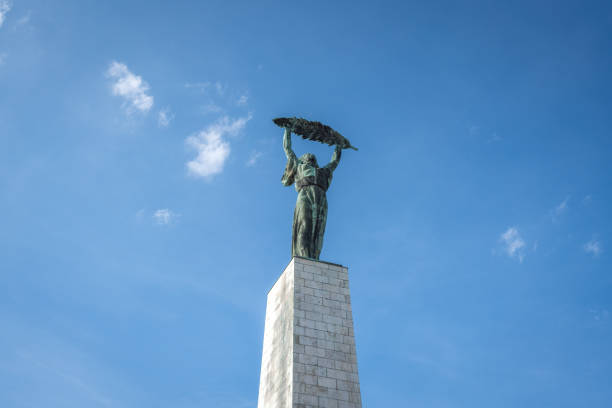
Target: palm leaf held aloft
316, 131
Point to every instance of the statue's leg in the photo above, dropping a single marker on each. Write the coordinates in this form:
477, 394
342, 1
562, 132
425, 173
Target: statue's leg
294, 233
302, 225
319, 221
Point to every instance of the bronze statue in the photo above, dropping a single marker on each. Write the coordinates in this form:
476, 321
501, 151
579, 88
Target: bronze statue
311, 183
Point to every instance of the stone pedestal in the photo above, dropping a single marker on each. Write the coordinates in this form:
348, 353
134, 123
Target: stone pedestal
309, 358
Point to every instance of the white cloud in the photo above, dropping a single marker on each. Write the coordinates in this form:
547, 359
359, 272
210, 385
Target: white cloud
560, 209
255, 155
592, 247
212, 148
5, 7
201, 86
131, 87
220, 88
164, 216
164, 117
514, 246
3, 56
211, 108
494, 138
242, 100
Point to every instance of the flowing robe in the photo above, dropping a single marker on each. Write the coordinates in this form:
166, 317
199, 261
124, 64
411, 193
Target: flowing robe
310, 215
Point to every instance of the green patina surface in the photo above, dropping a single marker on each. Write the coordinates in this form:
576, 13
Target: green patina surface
311, 183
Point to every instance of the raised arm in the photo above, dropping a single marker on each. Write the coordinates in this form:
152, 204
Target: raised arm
287, 145
335, 159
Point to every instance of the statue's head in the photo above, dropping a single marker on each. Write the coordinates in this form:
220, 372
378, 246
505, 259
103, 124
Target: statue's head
310, 159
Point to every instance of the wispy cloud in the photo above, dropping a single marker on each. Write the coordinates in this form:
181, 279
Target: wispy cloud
242, 100
484, 134
212, 147
220, 97
514, 245
204, 87
131, 87
23, 20
600, 314
560, 209
220, 88
164, 117
3, 56
200, 86
5, 7
255, 155
592, 247
164, 216
211, 108
494, 138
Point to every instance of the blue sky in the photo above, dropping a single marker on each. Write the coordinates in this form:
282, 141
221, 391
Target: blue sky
143, 218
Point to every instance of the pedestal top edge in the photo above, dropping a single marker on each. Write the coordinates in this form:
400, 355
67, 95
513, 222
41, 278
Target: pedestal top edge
299, 258
308, 260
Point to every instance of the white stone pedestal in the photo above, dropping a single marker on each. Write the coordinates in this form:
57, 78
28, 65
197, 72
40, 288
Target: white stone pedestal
309, 358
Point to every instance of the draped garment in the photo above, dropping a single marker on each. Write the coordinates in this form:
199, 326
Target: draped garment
310, 215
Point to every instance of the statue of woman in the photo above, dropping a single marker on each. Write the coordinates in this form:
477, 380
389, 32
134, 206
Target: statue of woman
311, 183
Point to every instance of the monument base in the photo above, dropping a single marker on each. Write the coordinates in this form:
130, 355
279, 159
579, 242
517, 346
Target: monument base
309, 358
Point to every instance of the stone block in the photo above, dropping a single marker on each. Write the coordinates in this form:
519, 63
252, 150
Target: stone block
308, 358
